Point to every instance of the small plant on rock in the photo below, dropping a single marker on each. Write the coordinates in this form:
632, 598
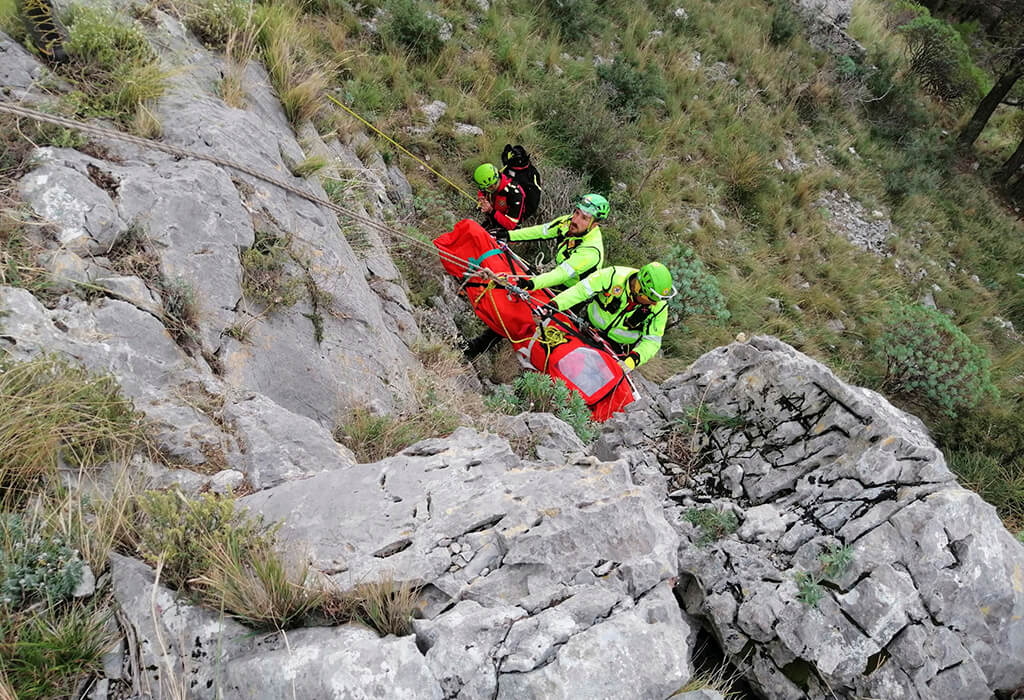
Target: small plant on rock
34, 566
184, 533
711, 523
809, 590
384, 606
540, 393
265, 275
836, 561
932, 362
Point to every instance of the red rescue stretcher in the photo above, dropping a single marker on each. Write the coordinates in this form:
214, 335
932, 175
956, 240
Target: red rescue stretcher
558, 348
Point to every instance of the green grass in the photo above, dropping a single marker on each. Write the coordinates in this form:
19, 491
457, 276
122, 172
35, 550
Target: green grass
46, 653
712, 524
52, 411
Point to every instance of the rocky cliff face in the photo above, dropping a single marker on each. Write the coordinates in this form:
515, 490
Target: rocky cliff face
809, 525
146, 233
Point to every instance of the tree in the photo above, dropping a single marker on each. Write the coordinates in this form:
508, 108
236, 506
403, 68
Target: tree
994, 98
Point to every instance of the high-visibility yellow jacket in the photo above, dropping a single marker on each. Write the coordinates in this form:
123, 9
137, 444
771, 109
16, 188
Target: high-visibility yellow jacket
575, 257
636, 328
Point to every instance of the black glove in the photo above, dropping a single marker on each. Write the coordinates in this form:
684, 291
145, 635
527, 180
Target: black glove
525, 284
500, 233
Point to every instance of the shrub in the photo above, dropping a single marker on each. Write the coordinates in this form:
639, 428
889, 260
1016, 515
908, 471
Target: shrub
582, 131
699, 293
411, 27
633, 89
939, 57
51, 410
711, 523
373, 437
541, 393
785, 23
932, 362
111, 63
214, 22
47, 653
34, 566
186, 533
265, 278
575, 18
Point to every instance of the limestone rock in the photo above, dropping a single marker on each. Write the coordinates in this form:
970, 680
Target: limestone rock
178, 642
847, 500
278, 445
331, 662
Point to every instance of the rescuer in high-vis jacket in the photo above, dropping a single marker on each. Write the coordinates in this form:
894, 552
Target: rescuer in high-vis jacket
580, 245
628, 306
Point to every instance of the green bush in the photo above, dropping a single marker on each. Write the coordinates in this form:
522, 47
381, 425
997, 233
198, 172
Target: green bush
411, 27
633, 88
575, 18
699, 293
785, 23
932, 362
184, 532
111, 64
214, 21
940, 59
541, 393
583, 133
34, 566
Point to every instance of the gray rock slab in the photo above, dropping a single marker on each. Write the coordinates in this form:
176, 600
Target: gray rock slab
341, 663
277, 445
528, 526
461, 645
180, 644
638, 653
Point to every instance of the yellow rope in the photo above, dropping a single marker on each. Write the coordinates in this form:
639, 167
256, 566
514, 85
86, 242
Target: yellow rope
400, 147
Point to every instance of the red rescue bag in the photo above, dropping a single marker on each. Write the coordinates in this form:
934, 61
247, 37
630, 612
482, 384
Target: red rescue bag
558, 348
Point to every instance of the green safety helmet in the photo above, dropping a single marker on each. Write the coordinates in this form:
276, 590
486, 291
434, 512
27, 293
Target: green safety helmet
486, 175
595, 205
656, 281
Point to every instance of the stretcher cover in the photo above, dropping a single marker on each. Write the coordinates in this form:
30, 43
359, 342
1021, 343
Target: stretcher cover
585, 367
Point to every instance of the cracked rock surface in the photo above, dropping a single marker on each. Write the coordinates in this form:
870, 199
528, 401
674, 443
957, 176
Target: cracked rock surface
539, 580
928, 598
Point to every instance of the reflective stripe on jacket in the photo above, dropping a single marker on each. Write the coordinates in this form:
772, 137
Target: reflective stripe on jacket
639, 328
575, 256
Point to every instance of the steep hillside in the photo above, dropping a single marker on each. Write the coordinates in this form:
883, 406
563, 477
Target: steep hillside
214, 391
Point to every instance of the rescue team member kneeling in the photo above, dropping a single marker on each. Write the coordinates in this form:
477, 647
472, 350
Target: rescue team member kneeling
628, 306
500, 199
580, 245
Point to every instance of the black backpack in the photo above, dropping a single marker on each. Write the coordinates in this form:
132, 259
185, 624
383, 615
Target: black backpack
516, 164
